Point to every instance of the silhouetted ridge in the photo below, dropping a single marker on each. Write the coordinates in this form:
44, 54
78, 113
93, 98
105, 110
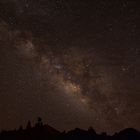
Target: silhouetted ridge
51, 129
129, 130
128, 134
42, 131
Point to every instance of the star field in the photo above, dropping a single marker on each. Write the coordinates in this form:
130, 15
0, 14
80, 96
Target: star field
75, 63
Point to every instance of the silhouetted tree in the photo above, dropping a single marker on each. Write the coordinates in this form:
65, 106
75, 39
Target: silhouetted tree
91, 130
20, 128
39, 123
28, 125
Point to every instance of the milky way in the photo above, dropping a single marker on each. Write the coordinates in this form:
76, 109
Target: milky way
74, 72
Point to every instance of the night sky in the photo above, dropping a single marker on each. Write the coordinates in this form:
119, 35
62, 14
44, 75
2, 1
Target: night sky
75, 63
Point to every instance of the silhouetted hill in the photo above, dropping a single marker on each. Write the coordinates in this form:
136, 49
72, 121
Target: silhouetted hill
50, 129
128, 134
46, 132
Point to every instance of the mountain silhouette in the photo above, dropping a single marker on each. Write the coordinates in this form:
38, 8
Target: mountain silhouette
42, 131
128, 134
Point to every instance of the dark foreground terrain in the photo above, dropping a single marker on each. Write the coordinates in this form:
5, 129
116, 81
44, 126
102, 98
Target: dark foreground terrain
46, 132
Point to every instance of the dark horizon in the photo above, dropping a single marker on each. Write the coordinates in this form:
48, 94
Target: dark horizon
30, 125
45, 131
39, 123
